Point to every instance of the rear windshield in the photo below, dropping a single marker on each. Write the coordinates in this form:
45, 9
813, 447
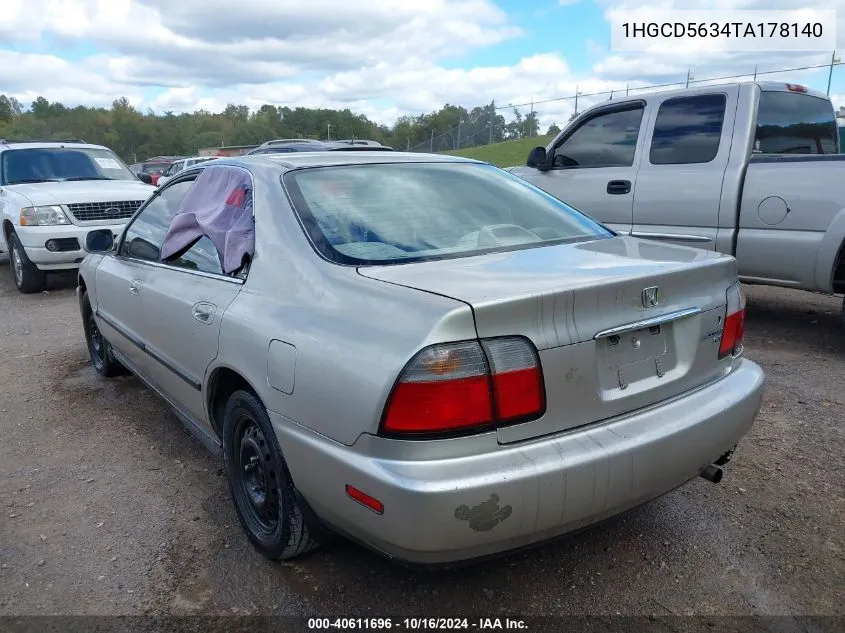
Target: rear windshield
394, 213
54, 164
795, 123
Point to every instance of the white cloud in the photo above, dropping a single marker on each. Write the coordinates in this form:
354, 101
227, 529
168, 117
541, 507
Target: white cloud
381, 58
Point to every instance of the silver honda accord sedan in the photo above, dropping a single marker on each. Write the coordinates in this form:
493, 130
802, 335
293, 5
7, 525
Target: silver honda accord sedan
423, 353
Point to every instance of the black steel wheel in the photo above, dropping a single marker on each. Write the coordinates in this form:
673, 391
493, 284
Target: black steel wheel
259, 481
98, 347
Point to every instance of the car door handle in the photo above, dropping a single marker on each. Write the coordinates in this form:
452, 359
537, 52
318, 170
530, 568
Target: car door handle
203, 312
618, 187
134, 286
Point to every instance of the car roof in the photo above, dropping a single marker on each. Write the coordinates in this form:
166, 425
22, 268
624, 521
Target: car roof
647, 92
298, 160
4, 145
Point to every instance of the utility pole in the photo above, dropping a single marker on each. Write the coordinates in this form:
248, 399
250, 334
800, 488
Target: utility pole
458, 140
492, 118
409, 145
576, 99
833, 61
431, 147
626, 88
689, 76
755, 73
328, 131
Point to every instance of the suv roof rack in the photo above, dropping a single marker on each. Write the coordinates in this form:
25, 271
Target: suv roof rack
358, 141
9, 141
279, 141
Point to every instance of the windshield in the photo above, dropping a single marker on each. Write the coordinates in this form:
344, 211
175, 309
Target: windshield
55, 164
154, 168
394, 213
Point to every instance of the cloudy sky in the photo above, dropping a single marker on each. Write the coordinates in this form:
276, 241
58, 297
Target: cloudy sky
382, 58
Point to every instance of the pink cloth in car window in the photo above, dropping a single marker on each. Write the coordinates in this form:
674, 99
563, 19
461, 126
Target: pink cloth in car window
218, 206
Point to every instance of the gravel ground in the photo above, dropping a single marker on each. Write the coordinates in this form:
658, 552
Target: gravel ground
108, 506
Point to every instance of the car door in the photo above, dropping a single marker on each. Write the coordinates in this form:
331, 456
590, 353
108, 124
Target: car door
121, 276
678, 192
594, 166
182, 305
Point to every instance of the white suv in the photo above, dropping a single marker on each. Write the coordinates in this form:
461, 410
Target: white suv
52, 193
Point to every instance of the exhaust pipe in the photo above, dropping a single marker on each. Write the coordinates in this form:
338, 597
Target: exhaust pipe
713, 474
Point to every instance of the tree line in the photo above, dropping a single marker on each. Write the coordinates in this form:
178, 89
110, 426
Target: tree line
135, 135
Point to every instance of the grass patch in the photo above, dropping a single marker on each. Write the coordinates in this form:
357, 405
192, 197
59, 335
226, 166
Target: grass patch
506, 154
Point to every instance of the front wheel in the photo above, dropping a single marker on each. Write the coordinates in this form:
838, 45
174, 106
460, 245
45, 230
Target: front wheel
99, 348
28, 278
260, 484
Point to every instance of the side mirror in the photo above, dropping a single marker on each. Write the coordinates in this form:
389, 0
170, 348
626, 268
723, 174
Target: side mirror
537, 158
99, 241
145, 178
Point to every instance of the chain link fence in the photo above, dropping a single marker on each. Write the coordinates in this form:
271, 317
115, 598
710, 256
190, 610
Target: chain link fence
476, 131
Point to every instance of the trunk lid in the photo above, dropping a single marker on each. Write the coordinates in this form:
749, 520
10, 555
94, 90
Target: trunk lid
605, 350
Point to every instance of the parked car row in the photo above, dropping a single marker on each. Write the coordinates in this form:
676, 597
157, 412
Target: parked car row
288, 145
444, 360
178, 165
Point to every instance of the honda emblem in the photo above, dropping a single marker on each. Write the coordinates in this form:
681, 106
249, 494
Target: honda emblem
651, 297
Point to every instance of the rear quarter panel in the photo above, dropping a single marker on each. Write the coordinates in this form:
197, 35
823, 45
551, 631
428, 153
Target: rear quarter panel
792, 220
341, 340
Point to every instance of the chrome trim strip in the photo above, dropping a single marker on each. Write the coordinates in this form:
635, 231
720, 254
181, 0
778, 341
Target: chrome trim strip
671, 236
657, 320
199, 273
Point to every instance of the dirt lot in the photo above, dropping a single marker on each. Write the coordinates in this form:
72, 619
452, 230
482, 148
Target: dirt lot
107, 506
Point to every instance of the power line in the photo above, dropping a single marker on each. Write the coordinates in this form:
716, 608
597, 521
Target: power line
673, 83
450, 132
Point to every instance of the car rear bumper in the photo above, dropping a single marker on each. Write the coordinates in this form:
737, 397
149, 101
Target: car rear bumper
452, 505
70, 237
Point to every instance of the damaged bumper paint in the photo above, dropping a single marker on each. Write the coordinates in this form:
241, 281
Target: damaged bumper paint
458, 499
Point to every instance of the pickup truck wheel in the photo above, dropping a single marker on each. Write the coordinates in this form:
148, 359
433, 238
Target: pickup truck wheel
99, 348
260, 483
28, 278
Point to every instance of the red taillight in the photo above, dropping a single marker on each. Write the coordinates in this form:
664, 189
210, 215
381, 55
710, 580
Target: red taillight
517, 381
454, 387
796, 88
731, 344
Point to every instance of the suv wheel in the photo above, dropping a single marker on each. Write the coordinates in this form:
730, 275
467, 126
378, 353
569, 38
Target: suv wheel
27, 277
261, 487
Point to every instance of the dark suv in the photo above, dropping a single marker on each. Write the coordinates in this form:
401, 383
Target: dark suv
284, 146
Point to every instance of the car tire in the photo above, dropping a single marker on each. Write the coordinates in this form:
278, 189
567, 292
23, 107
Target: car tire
26, 275
263, 493
99, 349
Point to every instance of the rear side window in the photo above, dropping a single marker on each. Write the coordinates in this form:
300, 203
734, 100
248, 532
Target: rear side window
393, 213
795, 123
688, 130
